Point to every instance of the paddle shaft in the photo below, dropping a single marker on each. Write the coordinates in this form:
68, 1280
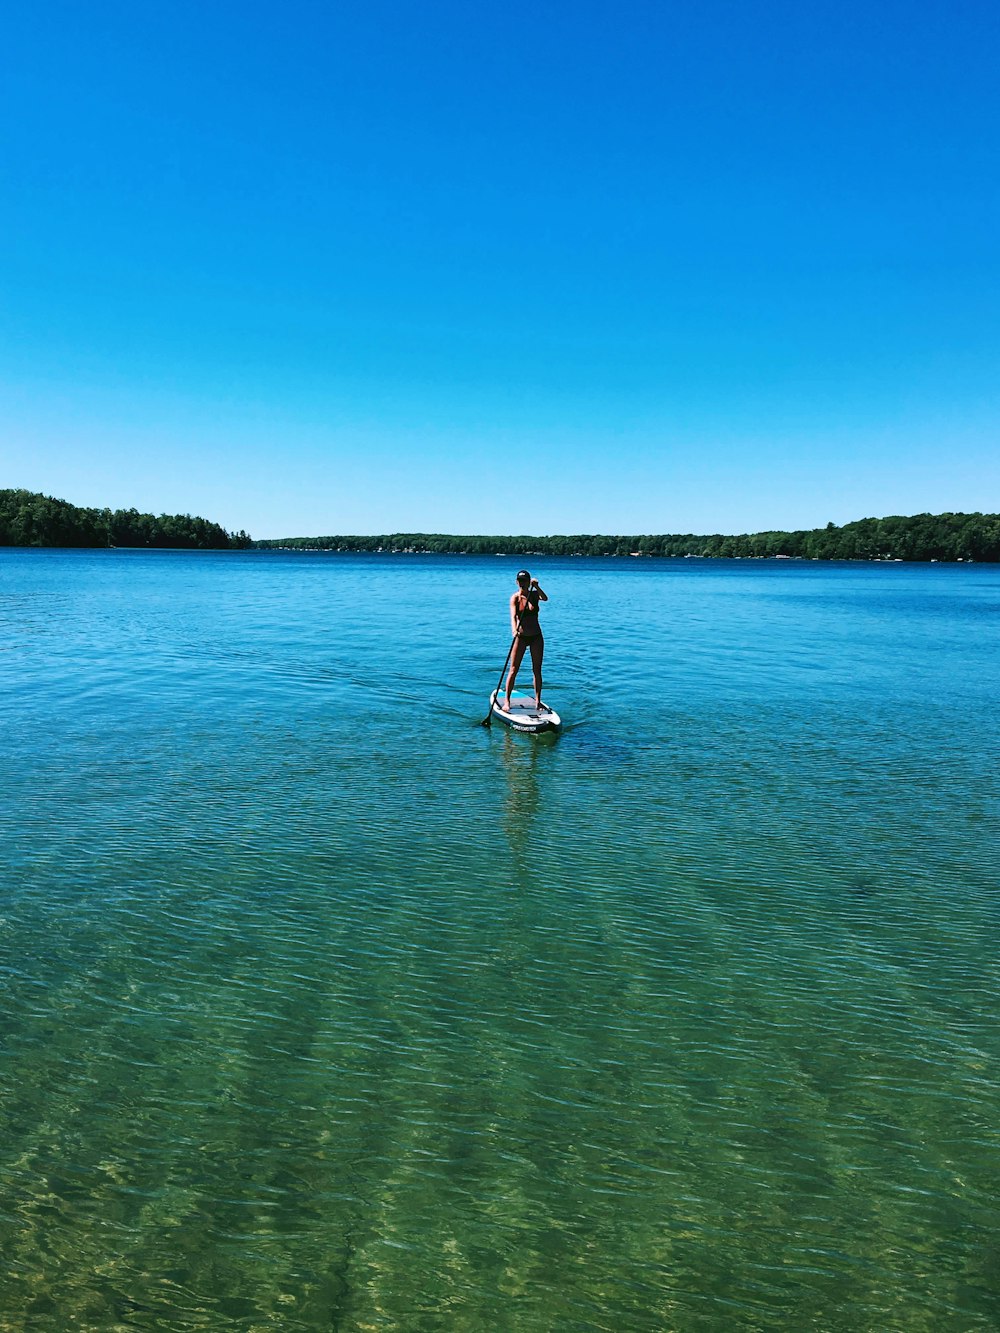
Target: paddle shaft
487, 720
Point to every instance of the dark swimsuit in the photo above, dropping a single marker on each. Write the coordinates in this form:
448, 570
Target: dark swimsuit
528, 628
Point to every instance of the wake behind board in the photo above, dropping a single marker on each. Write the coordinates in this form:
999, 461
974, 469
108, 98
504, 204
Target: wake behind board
523, 715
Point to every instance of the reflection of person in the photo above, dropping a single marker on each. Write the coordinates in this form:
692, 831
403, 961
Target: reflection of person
521, 801
527, 634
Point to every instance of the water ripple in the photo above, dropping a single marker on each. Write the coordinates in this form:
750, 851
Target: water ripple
316, 1016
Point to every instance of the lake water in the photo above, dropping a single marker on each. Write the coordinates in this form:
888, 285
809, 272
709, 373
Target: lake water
322, 1011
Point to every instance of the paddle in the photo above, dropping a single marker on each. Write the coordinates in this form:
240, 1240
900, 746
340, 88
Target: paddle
488, 719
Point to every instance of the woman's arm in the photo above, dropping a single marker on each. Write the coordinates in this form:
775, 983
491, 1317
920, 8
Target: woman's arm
538, 592
513, 615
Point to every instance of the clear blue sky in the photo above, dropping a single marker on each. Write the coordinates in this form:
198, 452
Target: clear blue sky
632, 267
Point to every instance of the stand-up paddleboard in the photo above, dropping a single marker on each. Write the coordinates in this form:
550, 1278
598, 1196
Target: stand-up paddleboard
523, 715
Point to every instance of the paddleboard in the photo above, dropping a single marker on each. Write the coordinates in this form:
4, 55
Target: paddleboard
523, 715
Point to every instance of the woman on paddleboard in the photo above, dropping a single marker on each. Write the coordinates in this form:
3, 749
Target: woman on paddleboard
527, 634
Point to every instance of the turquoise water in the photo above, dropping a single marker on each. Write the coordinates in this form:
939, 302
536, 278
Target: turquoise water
325, 1008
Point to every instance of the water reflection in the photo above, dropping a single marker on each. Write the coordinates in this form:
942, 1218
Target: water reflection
521, 795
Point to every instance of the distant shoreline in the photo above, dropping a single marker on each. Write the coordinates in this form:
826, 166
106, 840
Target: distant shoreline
269, 549
29, 519
274, 549
920, 538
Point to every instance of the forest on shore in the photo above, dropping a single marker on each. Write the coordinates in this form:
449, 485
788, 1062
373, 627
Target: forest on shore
30, 519
947, 537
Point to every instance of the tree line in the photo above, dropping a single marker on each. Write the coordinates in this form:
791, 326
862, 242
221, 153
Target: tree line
918, 537
30, 519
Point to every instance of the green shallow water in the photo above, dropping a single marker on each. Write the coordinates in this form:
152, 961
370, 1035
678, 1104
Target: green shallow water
320, 1011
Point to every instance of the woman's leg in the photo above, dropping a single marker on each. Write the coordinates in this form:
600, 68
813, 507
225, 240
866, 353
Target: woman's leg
515, 662
537, 651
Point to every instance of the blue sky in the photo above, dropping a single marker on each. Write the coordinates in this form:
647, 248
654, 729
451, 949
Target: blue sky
540, 268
